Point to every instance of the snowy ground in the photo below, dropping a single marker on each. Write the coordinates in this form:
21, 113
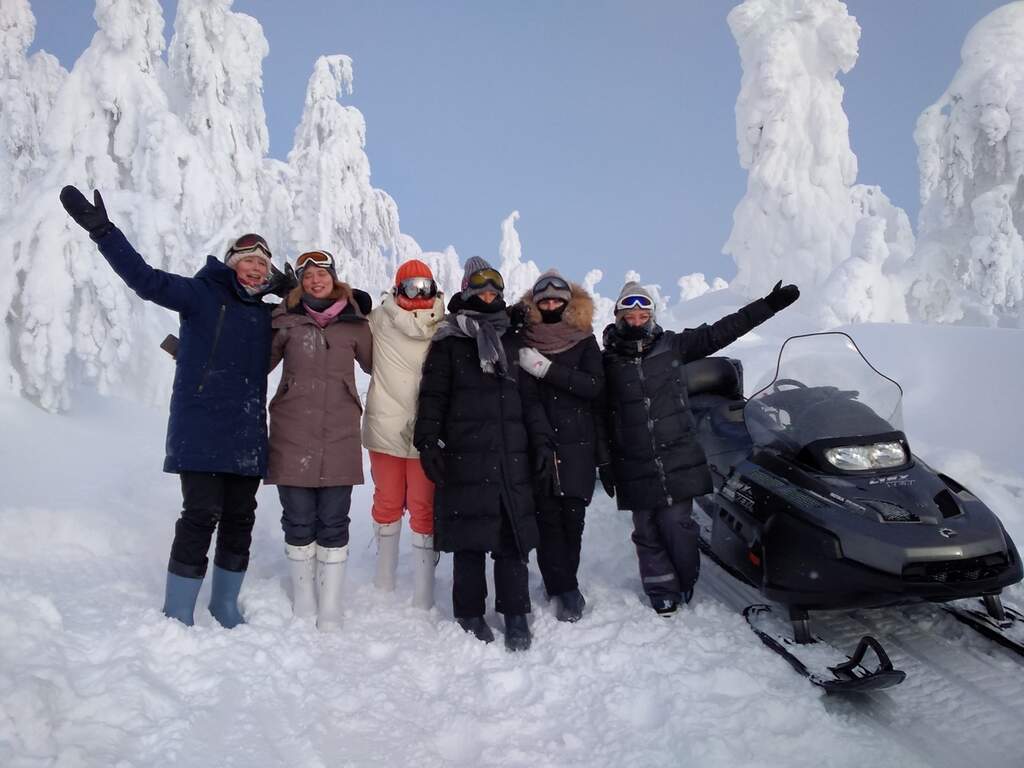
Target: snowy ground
91, 674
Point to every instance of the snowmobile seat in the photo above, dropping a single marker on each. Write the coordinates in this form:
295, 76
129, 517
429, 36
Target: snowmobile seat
719, 376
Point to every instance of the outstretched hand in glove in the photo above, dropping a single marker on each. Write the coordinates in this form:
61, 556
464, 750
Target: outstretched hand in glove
782, 296
92, 217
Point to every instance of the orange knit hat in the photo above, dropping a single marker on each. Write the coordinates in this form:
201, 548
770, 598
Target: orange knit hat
412, 268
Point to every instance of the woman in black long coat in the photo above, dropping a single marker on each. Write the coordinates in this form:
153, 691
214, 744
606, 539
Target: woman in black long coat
478, 425
561, 352
658, 466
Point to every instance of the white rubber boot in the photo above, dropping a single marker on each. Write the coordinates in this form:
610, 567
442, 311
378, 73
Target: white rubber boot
331, 562
302, 567
424, 561
387, 536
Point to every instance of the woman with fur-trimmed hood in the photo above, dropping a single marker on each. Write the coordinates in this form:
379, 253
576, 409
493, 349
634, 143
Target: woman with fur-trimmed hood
560, 350
320, 332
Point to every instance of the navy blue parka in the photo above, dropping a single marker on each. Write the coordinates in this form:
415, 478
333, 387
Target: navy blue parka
218, 419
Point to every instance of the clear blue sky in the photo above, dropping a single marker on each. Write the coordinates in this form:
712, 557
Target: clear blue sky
608, 125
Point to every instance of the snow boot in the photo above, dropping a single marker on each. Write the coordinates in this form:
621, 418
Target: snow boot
302, 567
224, 597
478, 627
330, 576
569, 606
387, 536
664, 606
424, 563
180, 598
517, 632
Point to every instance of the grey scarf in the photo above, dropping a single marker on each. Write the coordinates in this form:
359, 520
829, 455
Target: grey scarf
487, 328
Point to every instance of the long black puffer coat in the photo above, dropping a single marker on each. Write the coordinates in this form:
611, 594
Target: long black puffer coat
570, 392
656, 459
487, 425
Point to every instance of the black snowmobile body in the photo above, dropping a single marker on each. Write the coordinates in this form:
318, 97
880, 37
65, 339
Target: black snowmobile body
791, 516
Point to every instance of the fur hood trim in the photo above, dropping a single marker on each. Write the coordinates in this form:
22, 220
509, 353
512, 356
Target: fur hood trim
579, 314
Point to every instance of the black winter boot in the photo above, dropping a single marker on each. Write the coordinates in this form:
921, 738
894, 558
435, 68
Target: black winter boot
569, 606
664, 606
517, 632
478, 627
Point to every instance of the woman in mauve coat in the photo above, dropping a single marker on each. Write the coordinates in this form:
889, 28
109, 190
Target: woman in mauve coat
320, 332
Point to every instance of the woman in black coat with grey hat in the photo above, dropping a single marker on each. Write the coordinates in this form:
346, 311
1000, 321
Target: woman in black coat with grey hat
482, 436
658, 466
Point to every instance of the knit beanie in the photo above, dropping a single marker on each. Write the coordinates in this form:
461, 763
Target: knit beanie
632, 289
412, 268
542, 291
312, 257
473, 265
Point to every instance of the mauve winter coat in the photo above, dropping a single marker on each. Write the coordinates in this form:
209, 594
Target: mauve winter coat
314, 416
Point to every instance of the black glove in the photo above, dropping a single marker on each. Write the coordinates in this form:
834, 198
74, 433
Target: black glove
432, 461
517, 315
782, 296
281, 283
544, 469
604, 473
90, 217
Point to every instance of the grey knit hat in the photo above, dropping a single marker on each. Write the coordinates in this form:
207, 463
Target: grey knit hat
476, 264
632, 289
551, 285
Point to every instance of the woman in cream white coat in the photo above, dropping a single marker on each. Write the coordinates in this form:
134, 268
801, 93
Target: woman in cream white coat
402, 327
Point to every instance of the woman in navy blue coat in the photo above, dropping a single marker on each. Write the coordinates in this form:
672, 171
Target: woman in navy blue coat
217, 431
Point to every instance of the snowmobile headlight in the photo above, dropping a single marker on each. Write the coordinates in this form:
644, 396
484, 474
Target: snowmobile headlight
862, 457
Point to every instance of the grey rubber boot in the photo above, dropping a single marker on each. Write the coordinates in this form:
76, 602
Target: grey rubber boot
224, 597
302, 568
180, 598
387, 536
330, 576
424, 561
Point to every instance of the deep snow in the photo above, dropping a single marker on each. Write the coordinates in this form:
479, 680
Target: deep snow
91, 674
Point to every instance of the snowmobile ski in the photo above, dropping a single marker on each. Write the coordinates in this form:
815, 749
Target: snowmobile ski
815, 660
1007, 630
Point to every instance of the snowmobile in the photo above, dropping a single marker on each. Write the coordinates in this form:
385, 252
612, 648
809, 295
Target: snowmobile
820, 504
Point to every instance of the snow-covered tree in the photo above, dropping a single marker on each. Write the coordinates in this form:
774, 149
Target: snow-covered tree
110, 128
28, 87
216, 66
969, 264
519, 276
334, 205
693, 285
798, 217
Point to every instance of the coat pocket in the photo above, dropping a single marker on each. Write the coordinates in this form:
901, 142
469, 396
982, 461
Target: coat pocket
350, 386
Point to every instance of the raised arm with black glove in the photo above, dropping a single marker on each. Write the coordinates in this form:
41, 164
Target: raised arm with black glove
782, 296
92, 217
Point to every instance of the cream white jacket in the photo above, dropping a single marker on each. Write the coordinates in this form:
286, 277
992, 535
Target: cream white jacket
400, 341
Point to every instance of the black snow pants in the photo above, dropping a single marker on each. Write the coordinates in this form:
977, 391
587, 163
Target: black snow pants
560, 523
666, 547
213, 501
315, 514
511, 578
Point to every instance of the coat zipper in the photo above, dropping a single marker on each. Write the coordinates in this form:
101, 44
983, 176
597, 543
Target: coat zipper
213, 348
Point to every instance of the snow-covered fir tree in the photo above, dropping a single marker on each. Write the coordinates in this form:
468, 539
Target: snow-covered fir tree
970, 254
216, 66
801, 209
334, 205
519, 276
28, 87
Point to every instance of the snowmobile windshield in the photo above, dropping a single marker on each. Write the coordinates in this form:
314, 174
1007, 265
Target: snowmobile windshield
824, 389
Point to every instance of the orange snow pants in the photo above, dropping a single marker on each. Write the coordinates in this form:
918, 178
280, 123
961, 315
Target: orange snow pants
399, 484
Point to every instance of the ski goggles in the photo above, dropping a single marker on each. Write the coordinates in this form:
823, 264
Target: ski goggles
634, 301
486, 277
417, 288
550, 282
249, 245
316, 258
